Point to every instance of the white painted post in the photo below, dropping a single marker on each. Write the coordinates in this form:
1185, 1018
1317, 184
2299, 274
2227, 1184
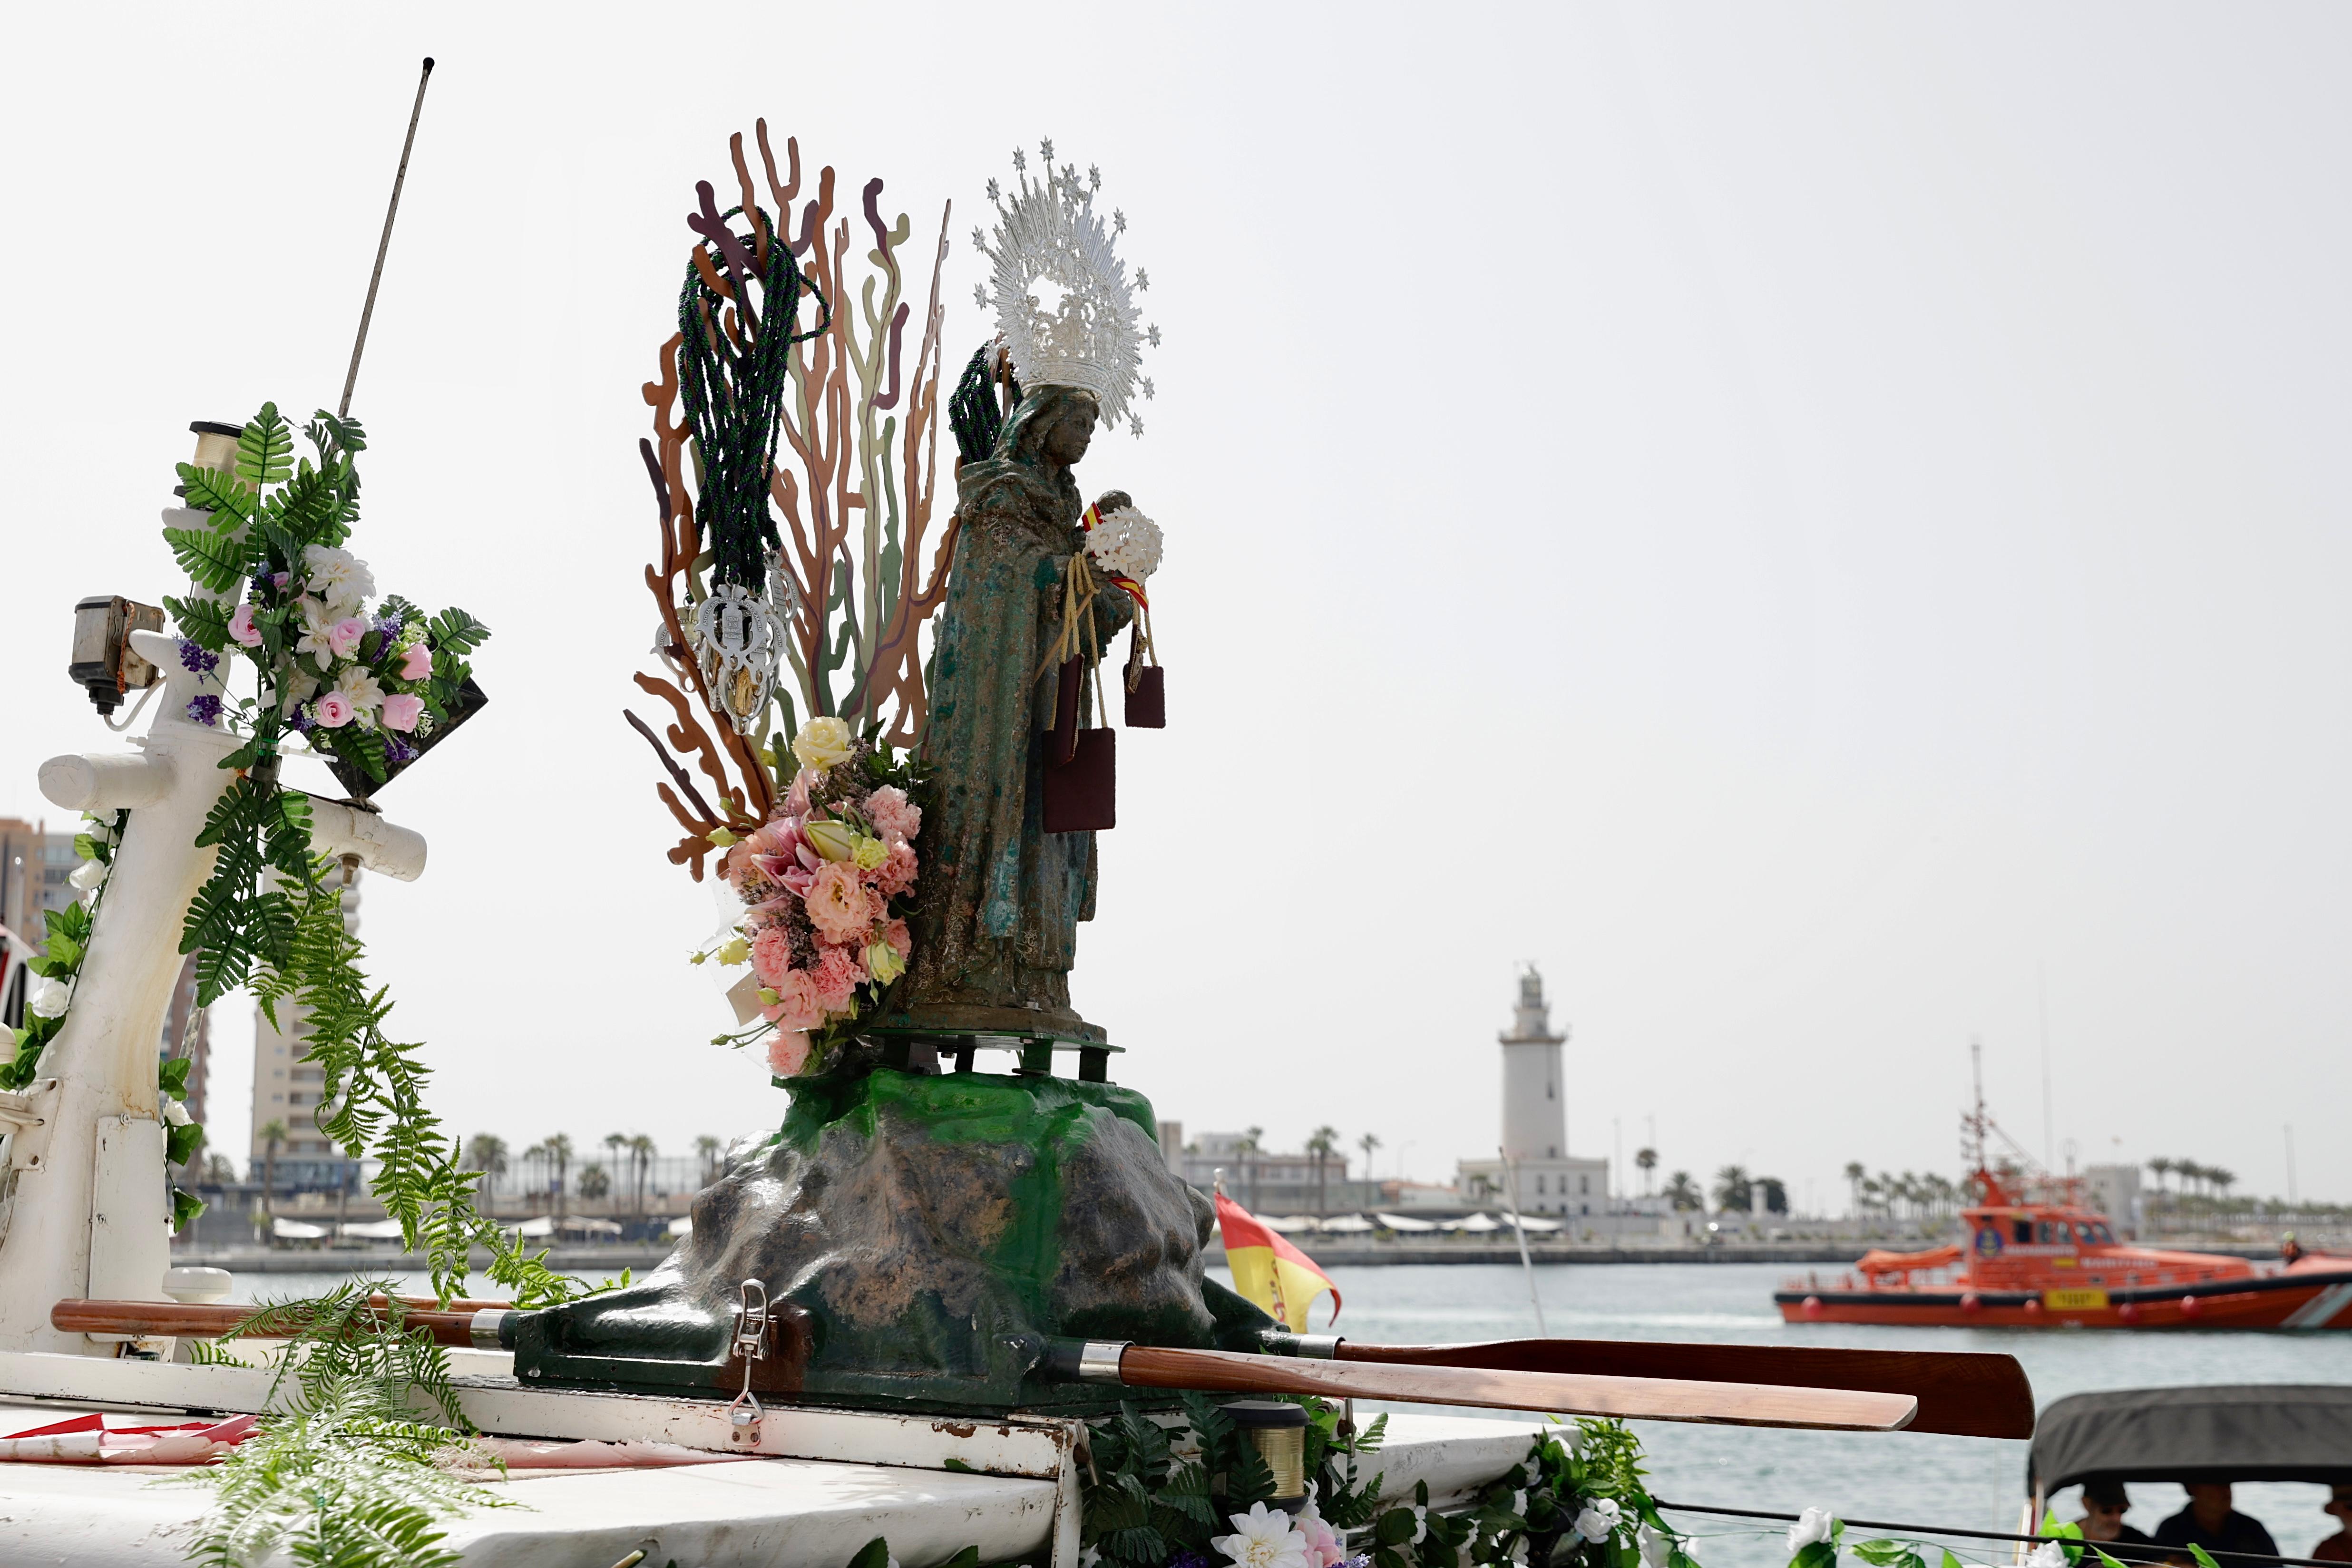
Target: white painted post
92, 1209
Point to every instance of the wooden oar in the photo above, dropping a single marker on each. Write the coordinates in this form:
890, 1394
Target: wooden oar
1969, 1392
210, 1319
1645, 1398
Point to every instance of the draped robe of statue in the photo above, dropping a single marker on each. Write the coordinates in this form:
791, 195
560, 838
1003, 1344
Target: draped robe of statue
1000, 899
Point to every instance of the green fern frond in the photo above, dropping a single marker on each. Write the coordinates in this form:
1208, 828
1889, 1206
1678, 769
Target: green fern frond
265, 449
215, 560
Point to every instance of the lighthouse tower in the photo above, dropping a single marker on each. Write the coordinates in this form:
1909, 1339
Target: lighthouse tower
1535, 1115
1538, 1175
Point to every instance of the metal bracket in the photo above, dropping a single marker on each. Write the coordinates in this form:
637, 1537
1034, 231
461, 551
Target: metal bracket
26, 1115
751, 1343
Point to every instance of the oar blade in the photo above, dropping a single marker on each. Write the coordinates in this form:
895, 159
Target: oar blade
1968, 1393
1638, 1399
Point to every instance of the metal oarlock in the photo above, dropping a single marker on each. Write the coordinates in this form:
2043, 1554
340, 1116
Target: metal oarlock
750, 1344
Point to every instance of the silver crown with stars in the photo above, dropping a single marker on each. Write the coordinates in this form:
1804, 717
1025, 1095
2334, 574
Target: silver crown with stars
1086, 330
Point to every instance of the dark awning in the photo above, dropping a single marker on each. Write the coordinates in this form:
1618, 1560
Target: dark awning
2233, 1432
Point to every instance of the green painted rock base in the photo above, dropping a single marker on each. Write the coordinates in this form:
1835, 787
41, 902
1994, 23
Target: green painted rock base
935, 1231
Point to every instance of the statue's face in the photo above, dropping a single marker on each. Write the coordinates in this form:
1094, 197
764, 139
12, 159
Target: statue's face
1071, 434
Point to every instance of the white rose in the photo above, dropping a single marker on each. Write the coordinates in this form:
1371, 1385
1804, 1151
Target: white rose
88, 875
1593, 1527
1815, 1524
821, 743
48, 998
174, 1114
2049, 1554
1656, 1550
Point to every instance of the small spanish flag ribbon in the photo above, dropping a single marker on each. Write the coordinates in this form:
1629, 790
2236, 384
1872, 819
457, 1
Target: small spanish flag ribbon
1135, 588
1269, 1270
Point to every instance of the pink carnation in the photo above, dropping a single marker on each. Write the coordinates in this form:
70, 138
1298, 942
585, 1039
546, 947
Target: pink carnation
797, 1006
788, 1053
897, 874
838, 974
415, 661
344, 636
772, 956
895, 816
331, 711
838, 905
241, 626
402, 710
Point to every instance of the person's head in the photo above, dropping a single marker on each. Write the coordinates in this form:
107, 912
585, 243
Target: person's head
2105, 1503
2209, 1502
2339, 1502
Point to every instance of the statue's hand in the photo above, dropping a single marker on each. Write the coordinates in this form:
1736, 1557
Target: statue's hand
1110, 501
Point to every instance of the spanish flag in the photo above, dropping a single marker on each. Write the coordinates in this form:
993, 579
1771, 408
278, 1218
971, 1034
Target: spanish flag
1269, 1270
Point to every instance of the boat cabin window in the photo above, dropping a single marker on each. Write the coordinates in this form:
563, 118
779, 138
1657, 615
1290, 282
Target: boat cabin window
2101, 1235
2024, 1232
2049, 1233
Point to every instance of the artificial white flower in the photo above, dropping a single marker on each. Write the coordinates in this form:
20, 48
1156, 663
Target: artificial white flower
174, 1114
315, 618
1519, 1503
1126, 543
1420, 1524
2049, 1554
1813, 1524
1657, 1550
337, 576
1594, 1525
88, 875
1088, 1556
821, 743
357, 684
49, 996
1263, 1539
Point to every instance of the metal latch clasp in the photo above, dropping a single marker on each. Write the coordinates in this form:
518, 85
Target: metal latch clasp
750, 1343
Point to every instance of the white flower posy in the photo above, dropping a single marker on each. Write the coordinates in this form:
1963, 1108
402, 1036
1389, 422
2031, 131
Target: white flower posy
337, 576
2049, 1554
1815, 1524
1263, 1539
1126, 543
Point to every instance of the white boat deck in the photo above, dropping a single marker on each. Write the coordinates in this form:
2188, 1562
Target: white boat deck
826, 1483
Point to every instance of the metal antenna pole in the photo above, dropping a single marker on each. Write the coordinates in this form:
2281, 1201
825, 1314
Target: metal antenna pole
1511, 1175
367, 311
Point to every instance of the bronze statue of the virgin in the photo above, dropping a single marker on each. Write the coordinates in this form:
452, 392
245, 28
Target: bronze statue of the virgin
996, 931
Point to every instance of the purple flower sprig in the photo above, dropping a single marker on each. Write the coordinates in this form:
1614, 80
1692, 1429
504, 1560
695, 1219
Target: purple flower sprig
205, 709
196, 659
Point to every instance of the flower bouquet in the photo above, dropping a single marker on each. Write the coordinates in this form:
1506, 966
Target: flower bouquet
824, 884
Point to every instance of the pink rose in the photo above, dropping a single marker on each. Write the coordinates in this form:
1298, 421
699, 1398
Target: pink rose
402, 710
897, 874
897, 935
895, 816
838, 974
331, 711
788, 1053
241, 626
772, 956
415, 661
838, 905
344, 636
797, 1006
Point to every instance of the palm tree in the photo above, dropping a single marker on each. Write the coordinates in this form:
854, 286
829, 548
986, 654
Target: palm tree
1323, 1145
1775, 1194
709, 1148
2162, 1168
1684, 1194
1247, 1145
641, 1166
1735, 1189
1647, 1161
488, 1155
616, 1145
273, 1132
594, 1182
1854, 1174
1367, 1142
558, 1155
2222, 1180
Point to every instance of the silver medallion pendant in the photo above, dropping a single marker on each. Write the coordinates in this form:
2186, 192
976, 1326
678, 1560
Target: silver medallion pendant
738, 637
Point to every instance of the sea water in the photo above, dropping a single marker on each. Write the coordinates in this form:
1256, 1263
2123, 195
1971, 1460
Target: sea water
1926, 1479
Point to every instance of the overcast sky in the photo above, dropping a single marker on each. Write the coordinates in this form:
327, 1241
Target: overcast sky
1818, 525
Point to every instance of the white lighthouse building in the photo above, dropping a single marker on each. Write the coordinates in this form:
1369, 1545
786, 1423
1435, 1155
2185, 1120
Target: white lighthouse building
1537, 1169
